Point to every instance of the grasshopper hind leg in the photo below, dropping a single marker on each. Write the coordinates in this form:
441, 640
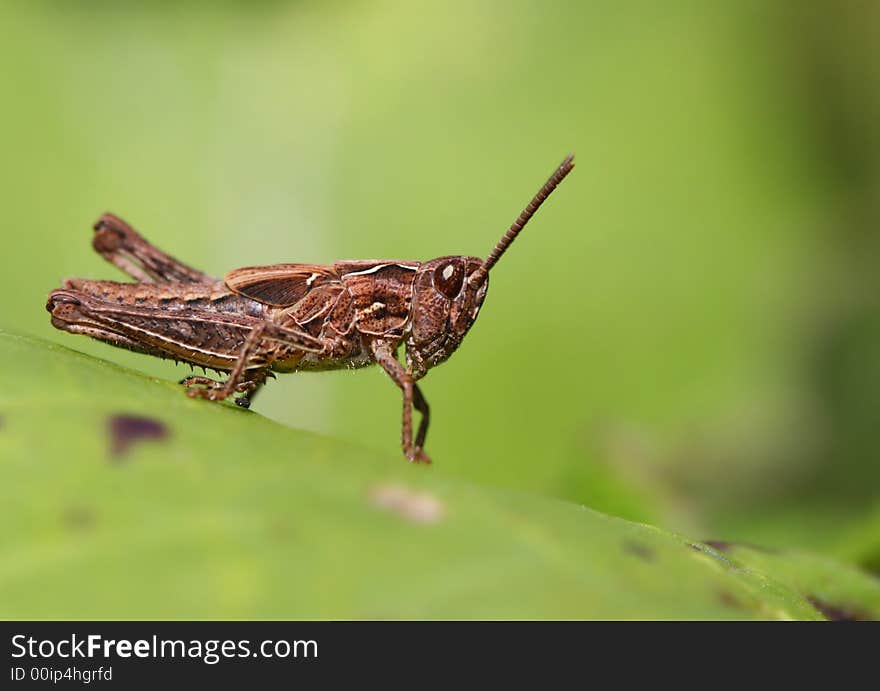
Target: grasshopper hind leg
125, 248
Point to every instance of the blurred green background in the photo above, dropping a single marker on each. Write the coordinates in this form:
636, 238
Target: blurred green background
687, 334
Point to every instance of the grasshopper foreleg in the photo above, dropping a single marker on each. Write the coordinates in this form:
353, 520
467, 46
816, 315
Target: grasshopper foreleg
412, 395
422, 406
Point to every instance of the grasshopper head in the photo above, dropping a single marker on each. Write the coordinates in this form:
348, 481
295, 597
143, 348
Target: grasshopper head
445, 306
449, 291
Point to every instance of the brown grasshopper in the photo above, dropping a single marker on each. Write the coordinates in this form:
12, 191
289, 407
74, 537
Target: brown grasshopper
285, 317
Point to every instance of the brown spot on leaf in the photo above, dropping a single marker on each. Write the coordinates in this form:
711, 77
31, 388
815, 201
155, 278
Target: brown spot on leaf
728, 599
720, 545
838, 612
639, 550
79, 518
726, 546
126, 430
417, 507
282, 530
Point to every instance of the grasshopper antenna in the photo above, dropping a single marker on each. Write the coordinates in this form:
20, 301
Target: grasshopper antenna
478, 276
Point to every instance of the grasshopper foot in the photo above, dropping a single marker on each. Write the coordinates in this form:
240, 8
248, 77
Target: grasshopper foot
203, 387
211, 394
191, 382
417, 455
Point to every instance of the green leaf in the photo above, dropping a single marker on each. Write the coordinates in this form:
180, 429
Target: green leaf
189, 509
839, 592
861, 544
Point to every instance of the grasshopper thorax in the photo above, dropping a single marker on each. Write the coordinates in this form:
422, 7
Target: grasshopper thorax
445, 306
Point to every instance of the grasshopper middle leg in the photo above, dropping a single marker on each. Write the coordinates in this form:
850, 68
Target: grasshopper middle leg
245, 377
249, 385
236, 382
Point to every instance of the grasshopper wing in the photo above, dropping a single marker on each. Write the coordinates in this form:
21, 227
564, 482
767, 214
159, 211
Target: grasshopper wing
280, 285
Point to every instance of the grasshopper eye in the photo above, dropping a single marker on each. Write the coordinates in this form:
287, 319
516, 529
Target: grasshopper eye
448, 279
